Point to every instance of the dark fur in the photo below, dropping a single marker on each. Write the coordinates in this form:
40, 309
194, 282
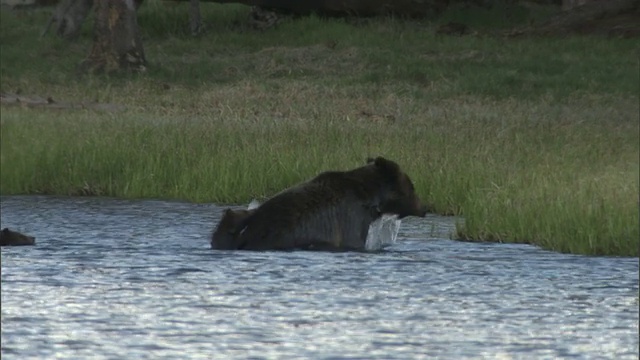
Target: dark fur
332, 211
14, 238
225, 234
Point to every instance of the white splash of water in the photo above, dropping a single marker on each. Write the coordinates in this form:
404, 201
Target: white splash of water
382, 233
253, 204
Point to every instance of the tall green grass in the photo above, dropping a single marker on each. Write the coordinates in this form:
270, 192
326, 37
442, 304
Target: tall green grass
530, 140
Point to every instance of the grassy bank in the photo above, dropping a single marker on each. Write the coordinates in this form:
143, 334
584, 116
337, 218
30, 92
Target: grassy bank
531, 140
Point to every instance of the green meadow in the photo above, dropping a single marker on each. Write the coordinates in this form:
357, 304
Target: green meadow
530, 140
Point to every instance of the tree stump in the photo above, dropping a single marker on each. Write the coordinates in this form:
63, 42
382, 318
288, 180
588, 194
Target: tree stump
117, 44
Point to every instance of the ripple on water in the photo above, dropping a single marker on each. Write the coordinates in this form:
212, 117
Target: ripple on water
118, 279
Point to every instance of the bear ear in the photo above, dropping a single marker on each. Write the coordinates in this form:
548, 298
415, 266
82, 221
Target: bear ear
385, 166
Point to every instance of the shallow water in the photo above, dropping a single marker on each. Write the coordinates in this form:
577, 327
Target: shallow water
115, 279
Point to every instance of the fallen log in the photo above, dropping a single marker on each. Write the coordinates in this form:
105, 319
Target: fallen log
69, 15
49, 103
361, 8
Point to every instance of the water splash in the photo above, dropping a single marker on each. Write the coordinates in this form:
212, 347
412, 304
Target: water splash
253, 204
383, 232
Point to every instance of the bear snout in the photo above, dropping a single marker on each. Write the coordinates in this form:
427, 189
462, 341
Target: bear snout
419, 209
423, 211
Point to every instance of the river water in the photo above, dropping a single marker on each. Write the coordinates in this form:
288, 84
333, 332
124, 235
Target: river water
119, 279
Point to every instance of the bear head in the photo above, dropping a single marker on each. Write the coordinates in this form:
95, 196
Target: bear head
398, 195
232, 222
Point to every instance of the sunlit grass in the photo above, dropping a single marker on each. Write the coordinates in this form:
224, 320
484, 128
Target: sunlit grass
530, 140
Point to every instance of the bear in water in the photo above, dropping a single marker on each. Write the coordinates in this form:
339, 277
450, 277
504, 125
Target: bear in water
230, 224
225, 234
14, 238
382, 232
332, 211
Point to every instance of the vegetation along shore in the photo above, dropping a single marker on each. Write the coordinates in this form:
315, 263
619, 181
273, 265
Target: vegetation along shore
530, 139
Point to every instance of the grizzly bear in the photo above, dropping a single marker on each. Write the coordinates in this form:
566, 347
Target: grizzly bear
382, 232
14, 238
225, 234
332, 211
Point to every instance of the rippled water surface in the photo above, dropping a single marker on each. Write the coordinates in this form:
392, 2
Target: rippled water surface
113, 279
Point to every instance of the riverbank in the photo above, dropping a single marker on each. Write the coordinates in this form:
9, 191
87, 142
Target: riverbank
531, 140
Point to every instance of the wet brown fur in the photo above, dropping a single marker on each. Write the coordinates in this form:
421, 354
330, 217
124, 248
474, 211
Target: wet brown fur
332, 211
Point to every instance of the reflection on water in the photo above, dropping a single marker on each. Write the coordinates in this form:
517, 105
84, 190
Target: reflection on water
115, 279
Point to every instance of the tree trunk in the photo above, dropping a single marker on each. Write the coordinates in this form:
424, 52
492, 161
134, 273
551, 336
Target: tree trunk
116, 38
195, 20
